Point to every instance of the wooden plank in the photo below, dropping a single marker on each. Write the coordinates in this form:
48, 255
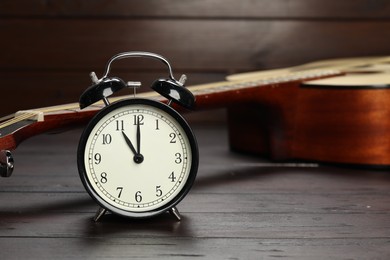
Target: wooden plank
97, 245
190, 45
248, 45
228, 9
200, 225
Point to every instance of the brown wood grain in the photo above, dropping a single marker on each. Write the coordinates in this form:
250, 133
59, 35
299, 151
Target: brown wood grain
343, 123
71, 45
338, 125
260, 9
171, 247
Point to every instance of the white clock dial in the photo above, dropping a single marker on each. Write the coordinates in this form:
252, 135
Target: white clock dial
137, 158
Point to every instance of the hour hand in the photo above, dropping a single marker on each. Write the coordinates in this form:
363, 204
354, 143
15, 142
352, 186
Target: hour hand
129, 143
138, 158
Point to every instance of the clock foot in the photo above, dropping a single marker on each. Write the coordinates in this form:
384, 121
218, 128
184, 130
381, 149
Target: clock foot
175, 213
99, 213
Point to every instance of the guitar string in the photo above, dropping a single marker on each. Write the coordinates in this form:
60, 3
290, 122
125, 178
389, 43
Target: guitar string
17, 119
202, 89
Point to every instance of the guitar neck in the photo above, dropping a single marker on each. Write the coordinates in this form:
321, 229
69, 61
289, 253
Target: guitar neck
24, 124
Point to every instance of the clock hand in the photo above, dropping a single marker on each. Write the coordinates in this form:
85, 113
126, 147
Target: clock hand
129, 143
138, 158
138, 139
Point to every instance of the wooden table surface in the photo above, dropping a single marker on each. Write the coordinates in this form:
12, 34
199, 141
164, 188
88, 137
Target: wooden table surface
240, 207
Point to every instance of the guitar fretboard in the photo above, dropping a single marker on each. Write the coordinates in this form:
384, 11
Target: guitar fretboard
261, 81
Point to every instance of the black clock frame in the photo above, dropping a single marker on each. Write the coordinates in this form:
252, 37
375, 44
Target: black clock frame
156, 104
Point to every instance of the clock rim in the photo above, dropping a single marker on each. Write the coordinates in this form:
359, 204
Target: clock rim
193, 147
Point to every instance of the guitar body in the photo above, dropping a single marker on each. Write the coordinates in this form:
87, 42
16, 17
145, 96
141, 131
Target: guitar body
339, 120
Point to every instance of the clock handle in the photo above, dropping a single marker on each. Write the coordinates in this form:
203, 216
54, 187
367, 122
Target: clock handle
140, 54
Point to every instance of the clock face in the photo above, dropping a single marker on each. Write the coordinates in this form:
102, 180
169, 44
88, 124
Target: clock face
138, 157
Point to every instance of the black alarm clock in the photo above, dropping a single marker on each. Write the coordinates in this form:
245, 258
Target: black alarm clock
137, 157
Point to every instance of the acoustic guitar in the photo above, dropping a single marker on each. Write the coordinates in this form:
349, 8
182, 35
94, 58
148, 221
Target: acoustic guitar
341, 119
333, 111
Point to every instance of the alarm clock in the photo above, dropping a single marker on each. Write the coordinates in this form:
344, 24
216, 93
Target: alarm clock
137, 157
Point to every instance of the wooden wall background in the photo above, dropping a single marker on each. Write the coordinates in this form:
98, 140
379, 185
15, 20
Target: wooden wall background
48, 47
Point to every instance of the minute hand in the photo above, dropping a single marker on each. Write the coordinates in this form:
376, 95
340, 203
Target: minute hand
138, 139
